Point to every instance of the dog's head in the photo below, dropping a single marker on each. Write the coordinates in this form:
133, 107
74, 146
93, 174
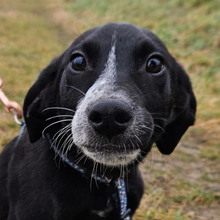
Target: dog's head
122, 90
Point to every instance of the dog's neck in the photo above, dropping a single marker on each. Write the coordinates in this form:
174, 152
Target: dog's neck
119, 194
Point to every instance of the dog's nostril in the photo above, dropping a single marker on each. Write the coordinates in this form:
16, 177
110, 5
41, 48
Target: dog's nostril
122, 118
95, 117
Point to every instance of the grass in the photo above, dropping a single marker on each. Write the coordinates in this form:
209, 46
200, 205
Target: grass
182, 186
211, 152
28, 41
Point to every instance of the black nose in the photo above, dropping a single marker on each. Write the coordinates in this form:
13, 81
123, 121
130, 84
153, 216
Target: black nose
110, 117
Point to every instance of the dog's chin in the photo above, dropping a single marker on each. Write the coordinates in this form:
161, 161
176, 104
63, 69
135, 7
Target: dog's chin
112, 158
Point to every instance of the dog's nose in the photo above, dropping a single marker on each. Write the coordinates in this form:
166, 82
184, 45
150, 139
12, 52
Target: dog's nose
110, 117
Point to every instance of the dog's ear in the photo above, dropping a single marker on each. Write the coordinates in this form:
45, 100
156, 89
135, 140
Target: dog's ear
184, 113
40, 96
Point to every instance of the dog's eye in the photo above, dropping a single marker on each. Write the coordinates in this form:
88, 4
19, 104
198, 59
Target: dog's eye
78, 62
154, 65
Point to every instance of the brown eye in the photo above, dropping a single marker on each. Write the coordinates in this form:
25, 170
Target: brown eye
154, 65
78, 62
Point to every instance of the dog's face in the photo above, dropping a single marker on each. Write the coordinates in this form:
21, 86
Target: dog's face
125, 89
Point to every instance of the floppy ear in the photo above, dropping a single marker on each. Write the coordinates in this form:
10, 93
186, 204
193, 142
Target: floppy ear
184, 113
40, 96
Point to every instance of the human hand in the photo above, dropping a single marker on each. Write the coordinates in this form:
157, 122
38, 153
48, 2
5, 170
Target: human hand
10, 106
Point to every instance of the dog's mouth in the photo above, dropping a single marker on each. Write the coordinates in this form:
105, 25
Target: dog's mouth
111, 155
122, 150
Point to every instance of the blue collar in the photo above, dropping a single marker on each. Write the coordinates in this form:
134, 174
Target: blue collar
119, 183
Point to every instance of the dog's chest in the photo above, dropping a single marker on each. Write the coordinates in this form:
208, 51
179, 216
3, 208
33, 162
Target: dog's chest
104, 211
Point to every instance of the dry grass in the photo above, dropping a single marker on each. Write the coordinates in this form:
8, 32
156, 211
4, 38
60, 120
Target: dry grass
182, 186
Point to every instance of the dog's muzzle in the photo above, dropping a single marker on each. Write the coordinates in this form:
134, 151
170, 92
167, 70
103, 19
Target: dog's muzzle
110, 131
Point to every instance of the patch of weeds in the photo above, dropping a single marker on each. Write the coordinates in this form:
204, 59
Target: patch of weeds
12, 125
187, 157
179, 215
178, 169
216, 90
201, 196
159, 173
196, 3
209, 178
184, 185
150, 214
211, 152
217, 198
178, 199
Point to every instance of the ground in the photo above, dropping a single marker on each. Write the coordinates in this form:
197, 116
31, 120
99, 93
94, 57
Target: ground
182, 186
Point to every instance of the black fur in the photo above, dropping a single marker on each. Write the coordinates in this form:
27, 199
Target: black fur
35, 186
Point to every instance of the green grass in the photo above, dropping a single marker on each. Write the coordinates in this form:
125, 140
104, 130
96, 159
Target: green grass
182, 186
190, 29
211, 152
28, 41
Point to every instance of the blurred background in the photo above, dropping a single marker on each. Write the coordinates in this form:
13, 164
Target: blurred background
182, 186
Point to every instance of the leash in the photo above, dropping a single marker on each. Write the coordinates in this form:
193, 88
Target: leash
23, 125
119, 197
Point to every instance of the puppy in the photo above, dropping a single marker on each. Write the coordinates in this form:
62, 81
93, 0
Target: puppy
90, 118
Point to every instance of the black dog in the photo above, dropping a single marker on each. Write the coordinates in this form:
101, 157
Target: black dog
99, 107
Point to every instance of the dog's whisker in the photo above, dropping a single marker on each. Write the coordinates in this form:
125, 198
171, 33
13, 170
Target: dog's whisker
60, 159
73, 87
121, 175
124, 147
80, 159
58, 134
67, 127
59, 116
100, 168
139, 139
54, 124
92, 174
85, 160
58, 108
65, 144
57, 154
158, 126
132, 143
79, 153
137, 160
162, 119
146, 127
69, 145
61, 135
105, 169
60, 140
55, 141
96, 172
159, 114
